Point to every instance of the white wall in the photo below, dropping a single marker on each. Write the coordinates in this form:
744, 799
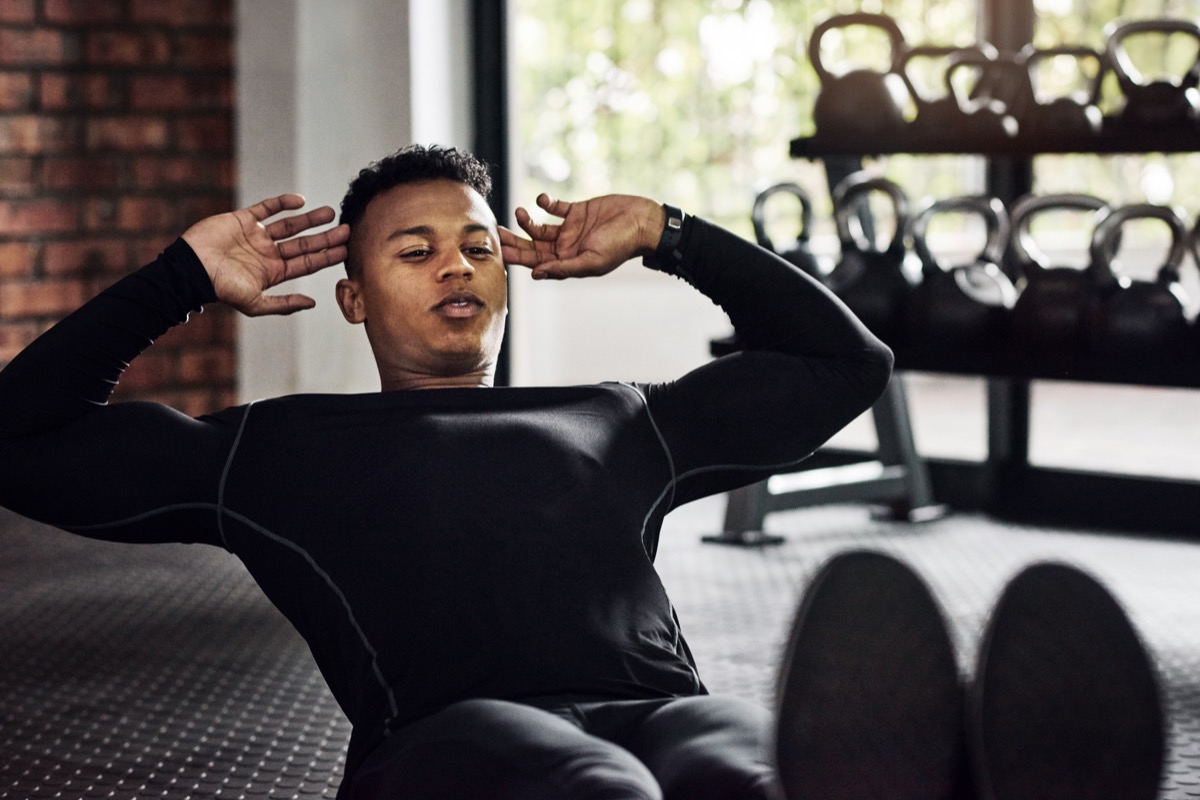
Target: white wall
634, 324
325, 88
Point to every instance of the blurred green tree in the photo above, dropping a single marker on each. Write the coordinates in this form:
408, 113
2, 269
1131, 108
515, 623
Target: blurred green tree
696, 101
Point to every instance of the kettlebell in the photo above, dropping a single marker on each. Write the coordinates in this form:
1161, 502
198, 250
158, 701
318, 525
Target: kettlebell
1142, 318
1053, 122
1006, 79
964, 307
799, 253
986, 117
940, 117
870, 281
1154, 102
1048, 317
859, 104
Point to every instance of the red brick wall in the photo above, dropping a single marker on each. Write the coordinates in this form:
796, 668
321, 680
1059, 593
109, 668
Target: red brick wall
116, 133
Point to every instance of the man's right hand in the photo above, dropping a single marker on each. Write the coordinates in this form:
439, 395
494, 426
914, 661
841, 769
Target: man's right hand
245, 257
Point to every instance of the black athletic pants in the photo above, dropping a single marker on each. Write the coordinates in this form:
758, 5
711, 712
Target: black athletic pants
691, 748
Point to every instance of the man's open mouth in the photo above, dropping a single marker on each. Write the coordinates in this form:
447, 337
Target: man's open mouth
459, 304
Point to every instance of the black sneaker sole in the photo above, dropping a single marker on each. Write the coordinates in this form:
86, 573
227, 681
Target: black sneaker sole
1065, 702
869, 701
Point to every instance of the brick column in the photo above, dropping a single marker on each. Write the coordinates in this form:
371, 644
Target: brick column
116, 133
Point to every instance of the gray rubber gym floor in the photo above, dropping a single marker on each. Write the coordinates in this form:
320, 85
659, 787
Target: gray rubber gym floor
161, 672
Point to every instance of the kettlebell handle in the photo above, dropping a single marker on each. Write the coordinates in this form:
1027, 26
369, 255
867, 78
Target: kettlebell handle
1128, 75
881, 21
1026, 208
758, 214
1108, 231
845, 200
980, 51
989, 208
1032, 56
995, 86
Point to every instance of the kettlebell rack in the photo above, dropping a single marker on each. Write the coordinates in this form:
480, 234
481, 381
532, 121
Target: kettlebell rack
989, 102
1157, 117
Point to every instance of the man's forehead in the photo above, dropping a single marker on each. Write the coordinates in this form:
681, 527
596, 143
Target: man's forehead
431, 204
430, 230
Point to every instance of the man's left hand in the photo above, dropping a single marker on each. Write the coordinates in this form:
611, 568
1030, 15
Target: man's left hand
595, 236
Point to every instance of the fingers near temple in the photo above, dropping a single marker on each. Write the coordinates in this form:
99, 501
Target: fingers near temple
308, 263
273, 205
288, 226
507, 236
523, 252
311, 262
519, 252
315, 242
540, 232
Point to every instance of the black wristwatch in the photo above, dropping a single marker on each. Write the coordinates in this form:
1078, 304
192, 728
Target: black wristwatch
666, 255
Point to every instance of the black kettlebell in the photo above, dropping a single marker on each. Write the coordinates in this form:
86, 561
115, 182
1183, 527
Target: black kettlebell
1048, 317
1074, 117
940, 117
1006, 79
1152, 102
799, 253
986, 116
964, 307
859, 104
1142, 318
871, 281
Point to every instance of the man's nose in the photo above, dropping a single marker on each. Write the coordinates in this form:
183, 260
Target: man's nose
456, 265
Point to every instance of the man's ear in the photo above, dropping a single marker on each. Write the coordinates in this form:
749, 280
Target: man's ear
349, 298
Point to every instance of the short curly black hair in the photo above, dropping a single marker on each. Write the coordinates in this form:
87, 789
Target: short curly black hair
411, 164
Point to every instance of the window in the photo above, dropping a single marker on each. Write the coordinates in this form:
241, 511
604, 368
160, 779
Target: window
696, 102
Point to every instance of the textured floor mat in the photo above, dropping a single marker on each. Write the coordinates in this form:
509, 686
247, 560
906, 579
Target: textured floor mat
134, 671
735, 604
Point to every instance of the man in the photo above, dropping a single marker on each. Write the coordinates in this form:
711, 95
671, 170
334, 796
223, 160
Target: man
458, 560
471, 567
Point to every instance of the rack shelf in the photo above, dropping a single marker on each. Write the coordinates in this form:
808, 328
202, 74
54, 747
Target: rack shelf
1148, 140
1011, 365
1179, 373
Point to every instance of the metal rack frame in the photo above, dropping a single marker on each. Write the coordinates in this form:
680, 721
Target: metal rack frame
1006, 484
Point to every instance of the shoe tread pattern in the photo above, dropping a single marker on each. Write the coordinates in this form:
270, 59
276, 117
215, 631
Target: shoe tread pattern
1066, 702
869, 696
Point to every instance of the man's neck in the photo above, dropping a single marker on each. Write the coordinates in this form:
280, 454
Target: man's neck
407, 381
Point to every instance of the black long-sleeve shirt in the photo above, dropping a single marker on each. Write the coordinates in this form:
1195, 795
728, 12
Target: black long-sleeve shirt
440, 544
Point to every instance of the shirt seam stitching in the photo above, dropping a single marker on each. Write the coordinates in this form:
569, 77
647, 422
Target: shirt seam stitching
237, 439
332, 584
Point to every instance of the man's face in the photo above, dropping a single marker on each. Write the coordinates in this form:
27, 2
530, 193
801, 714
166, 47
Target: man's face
430, 285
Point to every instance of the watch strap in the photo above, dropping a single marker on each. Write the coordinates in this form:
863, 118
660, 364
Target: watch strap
667, 255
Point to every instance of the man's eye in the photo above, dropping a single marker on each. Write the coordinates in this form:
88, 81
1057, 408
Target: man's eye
415, 253
479, 250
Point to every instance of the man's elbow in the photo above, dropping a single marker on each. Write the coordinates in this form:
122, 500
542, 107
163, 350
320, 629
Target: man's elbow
877, 366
